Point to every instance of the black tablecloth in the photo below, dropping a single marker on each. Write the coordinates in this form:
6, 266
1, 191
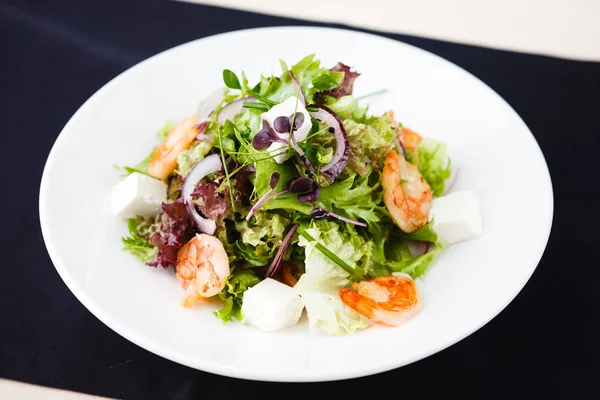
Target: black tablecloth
55, 54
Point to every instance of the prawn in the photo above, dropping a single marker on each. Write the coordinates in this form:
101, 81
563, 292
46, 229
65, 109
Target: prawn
203, 268
387, 300
406, 195
409, 138
164, 158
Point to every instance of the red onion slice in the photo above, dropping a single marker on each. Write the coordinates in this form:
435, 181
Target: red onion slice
203, 137
342, 149
451, 180
417, 247
400, 147
277, 261
204, 167
208, 105
297, 89
232, 109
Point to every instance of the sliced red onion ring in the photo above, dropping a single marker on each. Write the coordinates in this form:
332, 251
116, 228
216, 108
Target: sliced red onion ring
232, 109
342, 149
203, 137
297, 89
400, 147
204, 167
451, 180
208, 105
417, 247
277, 261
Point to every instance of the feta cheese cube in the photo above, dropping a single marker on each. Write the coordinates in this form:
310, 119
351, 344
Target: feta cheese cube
271, 305
286, 109
138, 194
456, 217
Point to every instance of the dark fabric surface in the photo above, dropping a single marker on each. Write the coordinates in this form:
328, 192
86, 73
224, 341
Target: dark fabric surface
55, 54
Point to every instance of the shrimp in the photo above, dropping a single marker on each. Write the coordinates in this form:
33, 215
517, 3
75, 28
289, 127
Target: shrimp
410, 139
203, 268
164, 159
387, 300
406, 195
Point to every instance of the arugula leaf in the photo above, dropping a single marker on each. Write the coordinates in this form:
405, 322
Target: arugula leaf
231, 79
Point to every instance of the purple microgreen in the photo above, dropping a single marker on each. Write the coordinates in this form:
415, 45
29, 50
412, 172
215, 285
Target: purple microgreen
277, 261
298, 120
231, 164
265, 137
307, 190
282, 124
274, 179
321, 213
318, 213
266, 197
301, 185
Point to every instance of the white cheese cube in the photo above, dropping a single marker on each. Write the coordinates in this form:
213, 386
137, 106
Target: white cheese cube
271, 305
456, 217
286, 109
138, 194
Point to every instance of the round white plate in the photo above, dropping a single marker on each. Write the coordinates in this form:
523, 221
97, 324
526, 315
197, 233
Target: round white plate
470, 283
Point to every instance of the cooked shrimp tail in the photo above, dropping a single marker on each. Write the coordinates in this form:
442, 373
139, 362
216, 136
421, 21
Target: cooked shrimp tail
407, 195
203, 268
387, 300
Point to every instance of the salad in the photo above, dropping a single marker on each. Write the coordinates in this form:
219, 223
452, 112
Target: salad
286, 195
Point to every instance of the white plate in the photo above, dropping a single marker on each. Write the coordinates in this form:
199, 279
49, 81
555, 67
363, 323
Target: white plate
472, 282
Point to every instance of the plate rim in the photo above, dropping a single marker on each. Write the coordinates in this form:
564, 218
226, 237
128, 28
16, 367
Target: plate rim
225, 369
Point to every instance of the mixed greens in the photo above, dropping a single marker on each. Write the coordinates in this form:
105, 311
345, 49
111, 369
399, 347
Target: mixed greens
301, 190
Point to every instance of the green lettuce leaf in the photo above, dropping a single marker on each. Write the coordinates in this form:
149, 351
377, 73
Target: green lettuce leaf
431, 158
425, 233
264, 232
233, 295
369, 143
138, 241
355, 197
190, 157
313, 78
391, 253
320, 284
344, 106
287, 171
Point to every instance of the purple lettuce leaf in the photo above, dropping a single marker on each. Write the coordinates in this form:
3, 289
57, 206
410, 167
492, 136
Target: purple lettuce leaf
347, 84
